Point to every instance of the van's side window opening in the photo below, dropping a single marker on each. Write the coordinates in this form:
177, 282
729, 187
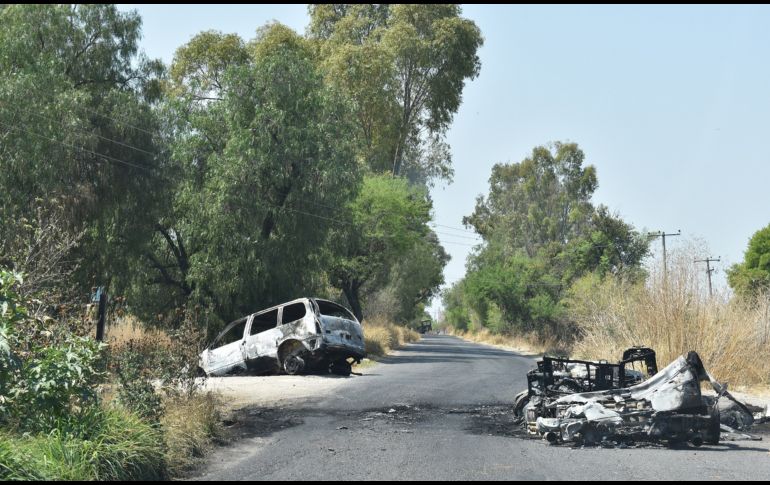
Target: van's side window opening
264, 321
292, 313
233, 335
334, 310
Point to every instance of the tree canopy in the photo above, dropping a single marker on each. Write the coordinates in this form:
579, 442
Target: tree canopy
541, 232
246, 173
753, 275
261, 145
77, 126
405, 67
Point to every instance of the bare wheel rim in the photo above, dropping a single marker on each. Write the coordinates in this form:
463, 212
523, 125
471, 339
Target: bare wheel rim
293, 364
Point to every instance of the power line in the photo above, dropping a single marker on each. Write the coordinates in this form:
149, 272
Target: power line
150, 170
124, 123
454, 228
459, 244
80, 130
77, 147
477, 238
329, 219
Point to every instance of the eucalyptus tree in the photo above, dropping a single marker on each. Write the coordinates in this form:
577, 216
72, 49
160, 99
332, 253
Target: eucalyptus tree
541, 232
264, 154
405, 66
77, 127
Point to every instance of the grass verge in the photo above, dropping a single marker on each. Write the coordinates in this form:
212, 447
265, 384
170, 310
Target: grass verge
524, 344
103, 444
674, 317
191, 426
114, 444
382, 336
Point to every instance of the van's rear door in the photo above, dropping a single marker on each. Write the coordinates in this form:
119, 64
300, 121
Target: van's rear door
340, 328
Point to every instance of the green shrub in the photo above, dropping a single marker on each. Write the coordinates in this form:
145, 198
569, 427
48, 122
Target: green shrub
56, 382
45, 383
11, 313
137, 392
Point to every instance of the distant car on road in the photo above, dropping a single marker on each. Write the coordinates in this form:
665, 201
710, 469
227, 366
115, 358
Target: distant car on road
307, 334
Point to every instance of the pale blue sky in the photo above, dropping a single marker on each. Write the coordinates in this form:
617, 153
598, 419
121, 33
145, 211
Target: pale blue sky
670, 103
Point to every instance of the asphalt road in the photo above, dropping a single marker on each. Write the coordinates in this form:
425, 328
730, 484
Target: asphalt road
439, 410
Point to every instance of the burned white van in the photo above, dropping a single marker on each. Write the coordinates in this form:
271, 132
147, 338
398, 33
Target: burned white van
304, 335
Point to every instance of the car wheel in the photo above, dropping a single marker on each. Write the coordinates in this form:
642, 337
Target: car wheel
293, 364
519, 403
341, 368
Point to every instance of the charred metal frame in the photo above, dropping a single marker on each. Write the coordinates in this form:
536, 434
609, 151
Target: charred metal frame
562, 405
605, 375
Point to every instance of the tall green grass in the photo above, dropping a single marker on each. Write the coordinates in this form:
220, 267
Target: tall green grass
109, 444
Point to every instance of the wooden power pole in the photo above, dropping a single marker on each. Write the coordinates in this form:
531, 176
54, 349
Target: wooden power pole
662, 235
709, 270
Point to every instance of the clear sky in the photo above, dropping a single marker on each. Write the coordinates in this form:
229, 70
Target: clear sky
670, 103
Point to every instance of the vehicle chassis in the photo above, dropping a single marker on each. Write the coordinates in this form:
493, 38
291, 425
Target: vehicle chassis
607, 405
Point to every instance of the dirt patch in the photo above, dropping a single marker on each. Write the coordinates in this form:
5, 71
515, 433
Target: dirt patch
273, 391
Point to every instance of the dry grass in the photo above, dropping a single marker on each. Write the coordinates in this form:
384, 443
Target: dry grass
127, 329
526, 344
190, 426
674, 316
191, 420
382, 336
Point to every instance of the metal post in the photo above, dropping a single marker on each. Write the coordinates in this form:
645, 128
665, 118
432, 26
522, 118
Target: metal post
102, 315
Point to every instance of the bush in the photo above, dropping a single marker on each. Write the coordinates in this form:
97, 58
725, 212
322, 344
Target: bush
56, 382
136, 391
150, 363
11, 313
55, 426
42, 384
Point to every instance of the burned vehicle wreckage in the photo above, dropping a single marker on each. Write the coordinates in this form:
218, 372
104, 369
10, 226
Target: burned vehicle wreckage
602, 403
304, 335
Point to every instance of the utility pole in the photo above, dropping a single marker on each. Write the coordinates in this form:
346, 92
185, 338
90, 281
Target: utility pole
662, 235
709, 269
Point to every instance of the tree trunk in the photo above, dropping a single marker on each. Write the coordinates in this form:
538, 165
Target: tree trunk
351, 293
